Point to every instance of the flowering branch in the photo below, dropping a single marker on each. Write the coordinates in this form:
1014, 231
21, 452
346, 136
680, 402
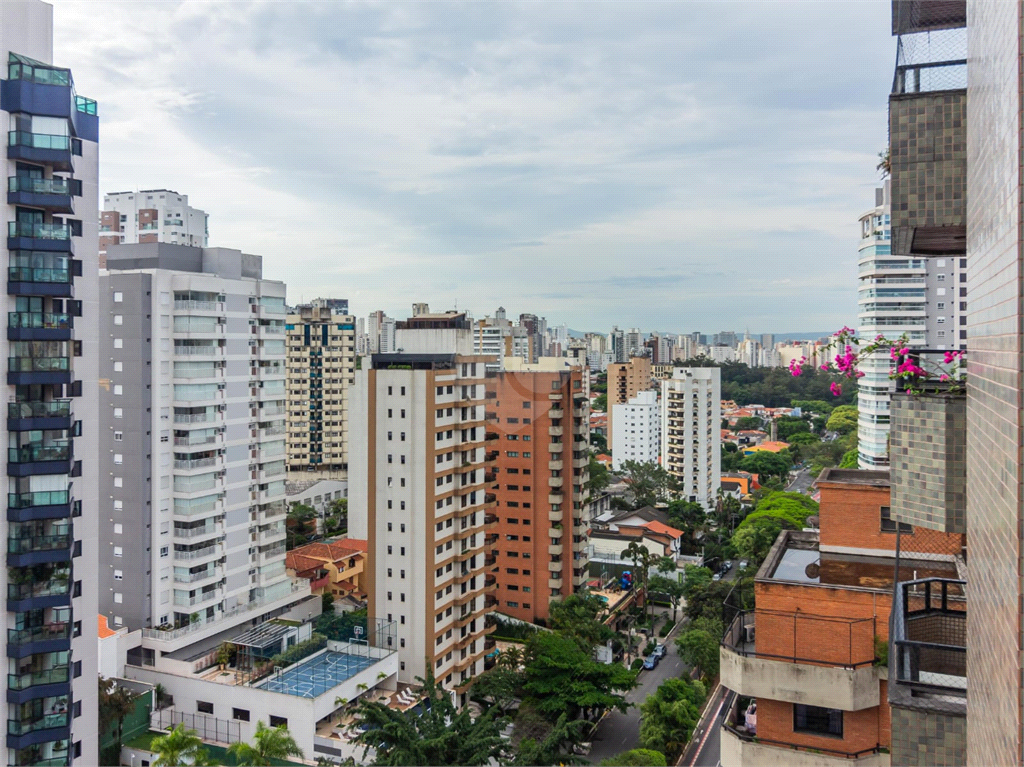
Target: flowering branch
907, 368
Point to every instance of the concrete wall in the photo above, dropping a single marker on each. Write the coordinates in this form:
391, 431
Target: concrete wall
737, 752
928, 738
824, 686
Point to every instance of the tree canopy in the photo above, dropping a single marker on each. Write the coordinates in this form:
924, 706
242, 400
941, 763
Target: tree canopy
562, 677
638, 757
787, 426
774, 387
670, 714
843, 419
648, 481
768, 464
790, 509
577, 616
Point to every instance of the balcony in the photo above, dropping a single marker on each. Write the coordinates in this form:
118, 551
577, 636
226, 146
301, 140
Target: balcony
39, 458
554, 583
555, 498
53, 194
30, 276
556, 412
928, 659
198, 599
555, 549
555, 567
38, 370
556, 516
195, 555
809, 659
555, 447
555, 465
555, 431
44, 590
50, 637
39, 326
928, 143
190, 533
25, 551
27, 416
740, 745
205, 574
555, 481
47, 727
43, 683
44, 504
44, 148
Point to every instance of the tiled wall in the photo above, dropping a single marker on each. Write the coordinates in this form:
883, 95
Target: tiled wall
927, 738
927, 448
927, 152
994, 436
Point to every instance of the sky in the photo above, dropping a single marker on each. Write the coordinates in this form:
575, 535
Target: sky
671, 166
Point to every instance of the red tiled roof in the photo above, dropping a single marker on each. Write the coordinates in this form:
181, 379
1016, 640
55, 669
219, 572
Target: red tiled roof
659, 527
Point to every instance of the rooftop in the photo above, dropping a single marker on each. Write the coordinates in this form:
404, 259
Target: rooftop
855, 477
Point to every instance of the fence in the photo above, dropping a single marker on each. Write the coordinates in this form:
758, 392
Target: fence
207, 727
803, 638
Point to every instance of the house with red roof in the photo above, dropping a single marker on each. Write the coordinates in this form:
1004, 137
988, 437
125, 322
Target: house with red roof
332, 567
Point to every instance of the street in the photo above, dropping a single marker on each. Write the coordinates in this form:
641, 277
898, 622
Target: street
619, 732
705, 749
803, 481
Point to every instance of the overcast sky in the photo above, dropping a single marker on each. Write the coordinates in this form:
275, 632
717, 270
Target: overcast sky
675, 166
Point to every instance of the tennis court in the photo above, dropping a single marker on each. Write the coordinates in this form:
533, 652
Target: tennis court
317, 675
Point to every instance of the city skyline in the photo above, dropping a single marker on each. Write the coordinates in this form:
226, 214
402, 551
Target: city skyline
456, 145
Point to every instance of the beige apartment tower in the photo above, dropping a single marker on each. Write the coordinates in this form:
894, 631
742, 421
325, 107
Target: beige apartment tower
418, 495
625, 381
321, 368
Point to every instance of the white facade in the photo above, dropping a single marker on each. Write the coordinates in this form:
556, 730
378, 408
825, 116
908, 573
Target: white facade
51, 463
417, 494
637, 429
691, 417
924, 298
175, 220
194, 446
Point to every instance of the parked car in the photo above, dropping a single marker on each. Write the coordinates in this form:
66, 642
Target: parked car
743, 564
660, 650
727, 565
651, 661
716, 577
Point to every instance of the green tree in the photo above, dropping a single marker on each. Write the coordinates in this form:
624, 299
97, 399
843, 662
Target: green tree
670, 588
699, 648
670, 714
688, 516
600, 403
561, 677
695, 579
843, 419
434, 733
577, 616
300, 525
600, 477
642, 558
648, 482
599, 442
753, 542
501, 685
817, 406
767, 464
787, 426
555, 748
850, 460
637, 757
269, 744
115, 703
179, 747
747, 423
708, 601
791, 509
340, 627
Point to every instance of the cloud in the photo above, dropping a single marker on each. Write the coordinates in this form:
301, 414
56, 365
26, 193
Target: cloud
657, 166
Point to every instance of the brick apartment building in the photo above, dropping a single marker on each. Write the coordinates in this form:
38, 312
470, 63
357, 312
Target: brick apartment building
810, 654
540, 471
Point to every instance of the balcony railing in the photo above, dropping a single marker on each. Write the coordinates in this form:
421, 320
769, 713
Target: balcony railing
39, 320
45, 633
37, 678
803, 638
46, 722
38, 231
50, 587
55, 185
929, 637
38, 498
39, 140
58, 451
38, 364
38, 543
38, 274
188, 556
60, 408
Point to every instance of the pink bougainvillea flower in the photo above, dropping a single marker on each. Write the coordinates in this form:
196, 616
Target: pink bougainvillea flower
943, 377
835, 388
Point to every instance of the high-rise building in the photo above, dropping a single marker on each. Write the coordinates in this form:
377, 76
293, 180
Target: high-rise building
691, 418
540, 472
625, 381
192, 354
418, 494
767, 340
52, 430
535, 333
994, 418
634, 340
922, 298
151, 215
638, 429
617, 345
321, 367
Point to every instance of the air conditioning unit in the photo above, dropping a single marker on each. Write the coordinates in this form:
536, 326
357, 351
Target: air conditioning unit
750, 632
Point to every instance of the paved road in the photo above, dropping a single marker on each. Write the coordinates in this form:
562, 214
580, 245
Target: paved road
802, 483
619, 732
705, 749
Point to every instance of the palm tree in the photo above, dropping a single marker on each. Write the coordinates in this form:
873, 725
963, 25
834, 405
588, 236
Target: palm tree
511, 657
340, 701
115, 704
269, 744
641, 557
436, 734
178, 747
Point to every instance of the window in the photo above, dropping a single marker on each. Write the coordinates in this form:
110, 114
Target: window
118, 297
817, 720
118, 412
240, 714
118, 551
118, 343
118, 459
118, 575
278, 721
889, 525
204, 708
77, 669
118, 436
940, 305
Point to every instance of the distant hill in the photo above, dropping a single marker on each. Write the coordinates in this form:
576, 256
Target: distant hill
809, 336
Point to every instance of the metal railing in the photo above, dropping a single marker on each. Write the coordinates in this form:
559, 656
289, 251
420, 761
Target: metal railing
929, 636
189, 556
60, 408
55, 185
45, 633
35, 678
207, 727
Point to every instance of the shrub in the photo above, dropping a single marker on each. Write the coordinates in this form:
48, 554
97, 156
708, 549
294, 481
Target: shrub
650, 647
663, 632
295, 653
637, 664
